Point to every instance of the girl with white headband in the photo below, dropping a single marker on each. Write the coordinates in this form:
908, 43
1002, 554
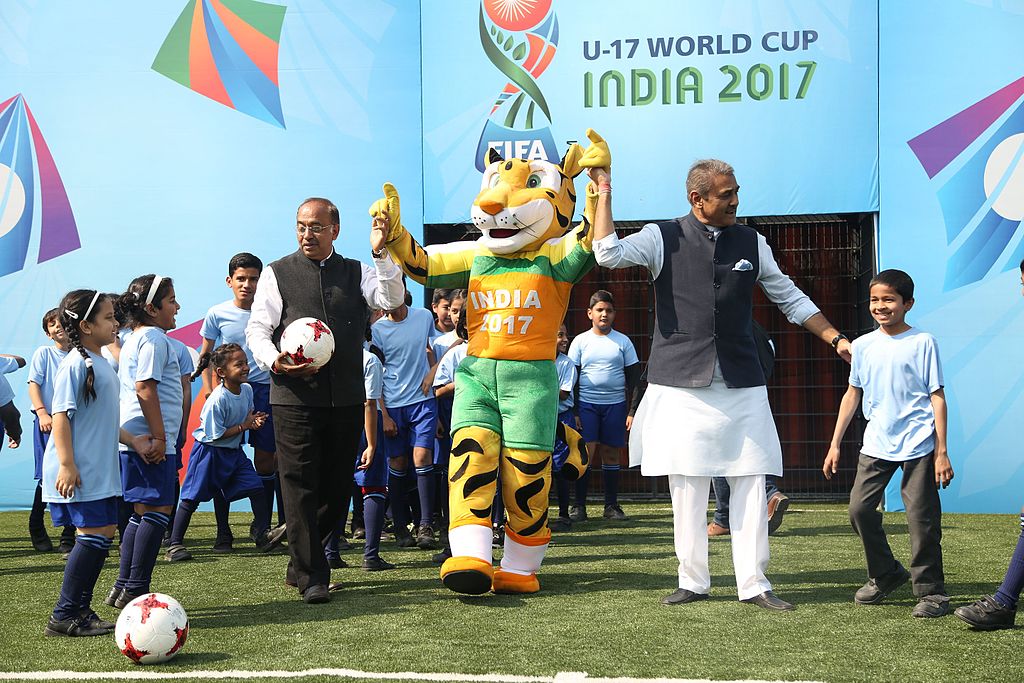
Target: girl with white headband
80, 474
152, 407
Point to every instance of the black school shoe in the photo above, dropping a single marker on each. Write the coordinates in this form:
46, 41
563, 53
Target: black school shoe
987, 614
82, 624
127, 596
112, 596
875, 590
376, 564
268, 540
223, 544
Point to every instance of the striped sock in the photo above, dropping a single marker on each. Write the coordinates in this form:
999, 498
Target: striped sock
425, 485
80, 574
147, 547
131, 530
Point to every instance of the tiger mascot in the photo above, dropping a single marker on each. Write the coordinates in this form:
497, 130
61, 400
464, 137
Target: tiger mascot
519, 274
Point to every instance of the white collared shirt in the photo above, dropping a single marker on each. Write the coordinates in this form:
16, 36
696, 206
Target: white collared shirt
646, 248
381, 286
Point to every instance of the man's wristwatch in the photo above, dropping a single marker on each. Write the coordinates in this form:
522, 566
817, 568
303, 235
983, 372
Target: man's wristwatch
838, 338
379, 254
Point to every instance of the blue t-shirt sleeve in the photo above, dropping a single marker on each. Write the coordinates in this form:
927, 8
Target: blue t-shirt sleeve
37, 367
185, 364
70, 376
217, 421
210, 329
629, 356
374, 379
151, 361
250, 404
856, 363
931, 366
576, 351
445, 373
566, 377
7, 365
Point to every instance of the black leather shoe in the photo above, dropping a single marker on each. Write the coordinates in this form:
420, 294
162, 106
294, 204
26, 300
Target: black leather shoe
875, 590
95, 621
987, 614
681, 596
112, 596
125, 597
336, 563
75, 626
270, 539
316, 595
769, 600
376, 564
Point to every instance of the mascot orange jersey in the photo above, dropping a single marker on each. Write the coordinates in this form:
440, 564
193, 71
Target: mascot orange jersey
519, 274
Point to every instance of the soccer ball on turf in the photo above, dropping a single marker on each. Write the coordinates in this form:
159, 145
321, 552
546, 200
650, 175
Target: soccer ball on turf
308, 340
152, 628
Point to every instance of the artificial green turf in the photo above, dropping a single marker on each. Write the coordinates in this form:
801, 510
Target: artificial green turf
598, 611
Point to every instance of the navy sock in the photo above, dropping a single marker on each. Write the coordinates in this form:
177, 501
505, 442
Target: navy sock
125, 511
174, 508
611, 484
397, 485
357, 510
80, 574
260, 513
581, 489
373, 518
35, 517
280, 500
1009, 592
131, 530
441, 493
221, 509
562, 488
269, 488
181, 521
147, 547
425, 483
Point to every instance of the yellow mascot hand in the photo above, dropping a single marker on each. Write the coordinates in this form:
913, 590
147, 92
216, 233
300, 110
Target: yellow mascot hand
389, 206
597, 154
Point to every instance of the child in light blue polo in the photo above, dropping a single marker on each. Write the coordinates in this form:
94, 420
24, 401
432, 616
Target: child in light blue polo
608, 370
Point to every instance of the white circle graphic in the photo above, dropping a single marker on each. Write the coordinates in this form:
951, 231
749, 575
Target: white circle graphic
1010, 202
12, 199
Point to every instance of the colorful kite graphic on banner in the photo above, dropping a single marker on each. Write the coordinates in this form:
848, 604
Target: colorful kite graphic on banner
226, 50
24, 155
982, 201
520, 38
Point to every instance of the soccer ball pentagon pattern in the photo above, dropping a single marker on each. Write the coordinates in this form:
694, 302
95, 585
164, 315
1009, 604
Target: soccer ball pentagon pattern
308, 340
152, 628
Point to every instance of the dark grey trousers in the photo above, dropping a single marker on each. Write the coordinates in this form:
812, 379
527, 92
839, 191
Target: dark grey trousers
924, 519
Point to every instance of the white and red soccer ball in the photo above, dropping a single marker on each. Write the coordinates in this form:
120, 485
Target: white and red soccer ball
308, 340
151, 629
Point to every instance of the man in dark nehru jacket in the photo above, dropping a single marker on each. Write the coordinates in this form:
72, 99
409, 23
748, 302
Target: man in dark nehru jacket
706, 412
318, 413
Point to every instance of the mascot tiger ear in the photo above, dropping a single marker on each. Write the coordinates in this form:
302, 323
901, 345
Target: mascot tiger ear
596, 155
493, 156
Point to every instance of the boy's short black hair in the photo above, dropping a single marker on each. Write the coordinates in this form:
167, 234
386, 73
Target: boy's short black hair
441, 295
1022, 265
897, 279
244, 260
599, 296
49, 317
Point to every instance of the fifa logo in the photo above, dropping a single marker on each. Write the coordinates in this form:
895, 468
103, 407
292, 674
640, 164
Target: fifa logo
975, 160
520, 38
24, 155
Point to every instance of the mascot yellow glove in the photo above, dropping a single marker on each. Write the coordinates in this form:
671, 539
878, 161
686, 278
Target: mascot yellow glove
389, 206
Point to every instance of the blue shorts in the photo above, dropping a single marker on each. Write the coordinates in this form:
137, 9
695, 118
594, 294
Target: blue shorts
377, 475
149, 484
39, 439
263, 438
443, 447
560, 453
604, 423
84, 515
417, 427
212, 469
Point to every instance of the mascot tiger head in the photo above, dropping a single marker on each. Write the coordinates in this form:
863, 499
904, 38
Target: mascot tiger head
523, 203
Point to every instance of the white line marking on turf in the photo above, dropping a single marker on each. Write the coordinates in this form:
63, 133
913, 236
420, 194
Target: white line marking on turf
143, 674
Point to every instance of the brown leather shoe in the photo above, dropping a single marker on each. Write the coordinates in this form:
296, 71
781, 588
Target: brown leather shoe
716, 529
777, 506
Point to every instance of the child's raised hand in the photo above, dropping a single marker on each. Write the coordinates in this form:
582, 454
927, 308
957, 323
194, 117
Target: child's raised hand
831, 465
258, 420
67, 480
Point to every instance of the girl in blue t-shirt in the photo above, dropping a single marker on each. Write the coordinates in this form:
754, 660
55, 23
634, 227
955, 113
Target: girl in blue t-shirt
152, 405
80, 476
217, 463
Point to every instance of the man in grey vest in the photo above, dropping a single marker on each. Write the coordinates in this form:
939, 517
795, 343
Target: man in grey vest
706, 412
318, 413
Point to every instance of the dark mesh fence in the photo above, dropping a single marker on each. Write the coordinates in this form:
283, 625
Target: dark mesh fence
831, 258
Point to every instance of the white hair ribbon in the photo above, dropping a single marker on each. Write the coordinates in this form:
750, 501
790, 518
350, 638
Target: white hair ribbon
92, 303
157, 279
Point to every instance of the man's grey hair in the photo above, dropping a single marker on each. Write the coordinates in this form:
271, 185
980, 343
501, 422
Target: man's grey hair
332, 210
702, 175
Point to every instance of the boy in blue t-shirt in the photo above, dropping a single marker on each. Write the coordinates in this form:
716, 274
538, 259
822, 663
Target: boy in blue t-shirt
897, 370
225, 324
608, 370
42, 369
567, 378
409, 413
999, 610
